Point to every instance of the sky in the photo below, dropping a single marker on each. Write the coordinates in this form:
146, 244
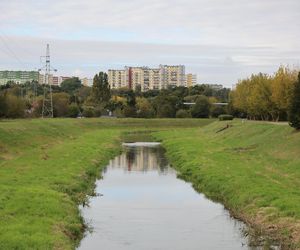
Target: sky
221, 41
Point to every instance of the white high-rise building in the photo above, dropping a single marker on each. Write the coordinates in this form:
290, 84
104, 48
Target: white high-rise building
173, 76
147, 78
117, 78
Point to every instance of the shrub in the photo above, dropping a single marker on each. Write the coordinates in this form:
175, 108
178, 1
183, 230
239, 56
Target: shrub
129, 111
217, 110
225, 117
88, 112
182, 113
166, 110
73, 110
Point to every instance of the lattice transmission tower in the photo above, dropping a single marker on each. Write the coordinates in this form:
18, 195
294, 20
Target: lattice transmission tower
47, 110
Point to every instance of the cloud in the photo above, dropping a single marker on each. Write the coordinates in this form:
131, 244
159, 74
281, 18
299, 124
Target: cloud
220, 40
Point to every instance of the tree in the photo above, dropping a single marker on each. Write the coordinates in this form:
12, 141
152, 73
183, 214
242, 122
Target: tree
101, 90
201, 108
144, 108
166, 104
3, 106
60, 104
282, 84
71, 85
294, 106
129, 109
15, 106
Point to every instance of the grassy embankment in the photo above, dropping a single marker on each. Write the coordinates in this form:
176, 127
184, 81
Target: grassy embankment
253, 168
46, 169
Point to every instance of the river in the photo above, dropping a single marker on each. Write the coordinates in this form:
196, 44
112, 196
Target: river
141, 204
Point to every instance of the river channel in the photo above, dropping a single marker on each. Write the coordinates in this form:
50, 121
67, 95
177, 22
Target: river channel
141, 204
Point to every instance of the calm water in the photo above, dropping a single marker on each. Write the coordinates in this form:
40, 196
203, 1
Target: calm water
142, 205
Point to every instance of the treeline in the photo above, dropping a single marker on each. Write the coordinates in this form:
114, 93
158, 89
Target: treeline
72, 99
265, 97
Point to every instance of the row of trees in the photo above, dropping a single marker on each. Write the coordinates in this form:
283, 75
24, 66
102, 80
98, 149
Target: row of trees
260, 97
263, 96
72, 99
269, 97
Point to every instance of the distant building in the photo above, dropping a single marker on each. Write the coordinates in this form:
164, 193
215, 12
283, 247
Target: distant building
173, 76
88, 82
191, 80
19, 77
216, 86
147, 78
53, 80
117, 79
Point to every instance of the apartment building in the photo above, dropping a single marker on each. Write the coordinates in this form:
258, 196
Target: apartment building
147, 78
191, 80
53, 80
117, 78
88, 82
173, 76
19, 77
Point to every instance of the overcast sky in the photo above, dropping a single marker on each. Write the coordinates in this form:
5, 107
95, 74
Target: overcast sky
219, 40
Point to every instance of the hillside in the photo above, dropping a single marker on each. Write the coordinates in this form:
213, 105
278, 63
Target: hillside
46, 169
251, 167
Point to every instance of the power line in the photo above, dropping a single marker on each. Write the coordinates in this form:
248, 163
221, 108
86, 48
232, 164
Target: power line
11, 51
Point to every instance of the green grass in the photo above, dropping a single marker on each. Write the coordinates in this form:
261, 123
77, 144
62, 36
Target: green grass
47, 167
253, 168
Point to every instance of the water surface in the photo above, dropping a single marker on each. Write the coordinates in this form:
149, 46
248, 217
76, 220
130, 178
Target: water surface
142, 205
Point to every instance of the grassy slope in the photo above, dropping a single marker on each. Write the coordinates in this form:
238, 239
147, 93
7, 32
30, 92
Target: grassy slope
46, 169
253, 168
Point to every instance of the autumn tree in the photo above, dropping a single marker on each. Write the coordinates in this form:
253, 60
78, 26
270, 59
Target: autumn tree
281, 87
144, 108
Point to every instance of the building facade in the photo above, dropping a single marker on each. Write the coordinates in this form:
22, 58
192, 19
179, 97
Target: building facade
191, 80
19, 77
173, 76
88, 82
53, 80
145, 78
117, 78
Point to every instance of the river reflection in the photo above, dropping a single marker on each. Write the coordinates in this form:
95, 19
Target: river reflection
144, 206
141, 158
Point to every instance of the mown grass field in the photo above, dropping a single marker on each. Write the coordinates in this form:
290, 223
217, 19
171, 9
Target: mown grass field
251, 167
48, 166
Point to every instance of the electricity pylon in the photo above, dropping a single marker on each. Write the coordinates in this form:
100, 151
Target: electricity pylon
47, 110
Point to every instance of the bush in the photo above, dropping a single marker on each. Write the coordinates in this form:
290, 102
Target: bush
182, 113
166, 111
129, 111
88, 112
225, 117
217, 110
73, 110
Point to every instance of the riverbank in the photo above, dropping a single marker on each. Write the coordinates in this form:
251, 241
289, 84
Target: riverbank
252, 168
47, 167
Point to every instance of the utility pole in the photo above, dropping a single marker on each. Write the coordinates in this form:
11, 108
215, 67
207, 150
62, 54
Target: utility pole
47, 110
